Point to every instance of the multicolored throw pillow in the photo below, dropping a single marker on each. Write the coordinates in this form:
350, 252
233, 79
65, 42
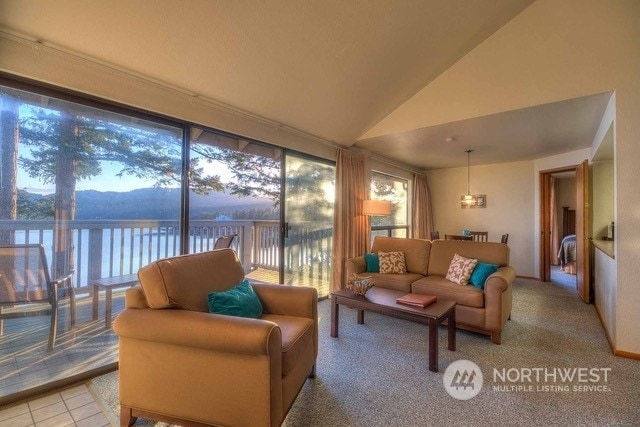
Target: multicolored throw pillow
460, 269
392, 262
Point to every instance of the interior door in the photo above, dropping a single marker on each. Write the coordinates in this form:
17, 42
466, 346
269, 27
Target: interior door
307, 222
583, 234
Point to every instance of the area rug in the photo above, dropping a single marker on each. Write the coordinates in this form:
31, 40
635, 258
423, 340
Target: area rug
377, 374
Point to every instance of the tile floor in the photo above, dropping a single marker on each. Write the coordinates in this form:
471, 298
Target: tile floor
74, 406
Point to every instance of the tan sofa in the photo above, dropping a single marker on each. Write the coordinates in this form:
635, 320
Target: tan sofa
181, 364
484, 311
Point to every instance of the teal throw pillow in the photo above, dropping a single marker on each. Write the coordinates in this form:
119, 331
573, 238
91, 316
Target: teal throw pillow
373, 263
240, 301
480, 274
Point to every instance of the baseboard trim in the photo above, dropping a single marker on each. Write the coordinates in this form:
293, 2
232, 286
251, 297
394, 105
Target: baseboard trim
626, 354
614, 350
606, 330
528, 277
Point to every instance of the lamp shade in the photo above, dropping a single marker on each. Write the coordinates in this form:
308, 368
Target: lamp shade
376, 207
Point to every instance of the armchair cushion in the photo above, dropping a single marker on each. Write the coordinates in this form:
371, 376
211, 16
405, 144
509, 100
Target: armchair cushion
185, 281
239, 301
297, 339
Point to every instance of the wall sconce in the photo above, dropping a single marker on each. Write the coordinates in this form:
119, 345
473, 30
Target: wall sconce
376, 207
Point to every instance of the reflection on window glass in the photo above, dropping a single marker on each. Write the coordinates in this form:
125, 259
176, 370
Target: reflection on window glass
241, 197
393, 189
100, 190
309, 199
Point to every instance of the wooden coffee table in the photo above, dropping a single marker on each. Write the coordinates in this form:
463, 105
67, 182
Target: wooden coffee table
383, 301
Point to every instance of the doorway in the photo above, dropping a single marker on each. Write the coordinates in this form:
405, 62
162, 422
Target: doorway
565, 232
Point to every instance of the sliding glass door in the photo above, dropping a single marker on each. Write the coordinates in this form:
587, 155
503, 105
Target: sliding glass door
240, 196
309, 189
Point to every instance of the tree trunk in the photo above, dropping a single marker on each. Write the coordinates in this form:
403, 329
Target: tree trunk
65, 199
8, 165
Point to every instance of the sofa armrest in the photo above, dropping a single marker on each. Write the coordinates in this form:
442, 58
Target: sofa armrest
500, 280
194, 329
356, 265
498, 298
300, 301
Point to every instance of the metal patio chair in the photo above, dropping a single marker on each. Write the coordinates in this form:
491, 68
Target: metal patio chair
25, 281
224, 241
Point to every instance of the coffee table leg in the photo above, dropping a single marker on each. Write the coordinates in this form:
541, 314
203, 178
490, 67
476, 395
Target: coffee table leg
334, 316
433, 345
451, 329
360, 317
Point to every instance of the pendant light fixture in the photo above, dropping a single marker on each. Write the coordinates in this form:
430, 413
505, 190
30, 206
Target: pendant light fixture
468, 198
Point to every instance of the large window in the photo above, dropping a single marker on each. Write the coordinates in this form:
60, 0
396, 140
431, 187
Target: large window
395, 190
101, 191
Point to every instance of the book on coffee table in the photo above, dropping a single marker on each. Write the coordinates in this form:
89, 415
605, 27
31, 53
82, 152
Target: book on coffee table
417, 300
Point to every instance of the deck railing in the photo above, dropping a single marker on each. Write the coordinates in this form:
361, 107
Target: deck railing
108, 248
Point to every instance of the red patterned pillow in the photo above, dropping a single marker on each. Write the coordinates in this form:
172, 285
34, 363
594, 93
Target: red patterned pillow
460, 269
392, 262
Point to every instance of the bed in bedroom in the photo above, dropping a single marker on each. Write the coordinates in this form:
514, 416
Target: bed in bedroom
567, 252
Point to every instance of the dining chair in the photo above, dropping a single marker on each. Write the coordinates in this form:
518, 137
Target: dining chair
505, 238
224, 241
480, 236
25, 282
457, 237
435, 235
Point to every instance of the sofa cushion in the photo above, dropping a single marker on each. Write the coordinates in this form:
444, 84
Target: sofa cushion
239, 301
442, 251
460, 269
373, 263
416, 251
185, 281
445, 289
392, 263
297, 338
398, 282
480, 274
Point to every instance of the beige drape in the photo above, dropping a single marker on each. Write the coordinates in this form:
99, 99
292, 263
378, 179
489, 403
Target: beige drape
555, 232
421, 217
350, 226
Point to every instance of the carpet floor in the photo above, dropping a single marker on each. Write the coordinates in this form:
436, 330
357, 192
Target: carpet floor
377, 374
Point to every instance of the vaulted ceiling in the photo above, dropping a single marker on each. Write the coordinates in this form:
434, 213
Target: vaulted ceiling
339, 70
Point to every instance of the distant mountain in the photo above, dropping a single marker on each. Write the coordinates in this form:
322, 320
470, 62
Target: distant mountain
160, 203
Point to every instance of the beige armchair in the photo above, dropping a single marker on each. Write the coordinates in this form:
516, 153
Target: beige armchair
181, 364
